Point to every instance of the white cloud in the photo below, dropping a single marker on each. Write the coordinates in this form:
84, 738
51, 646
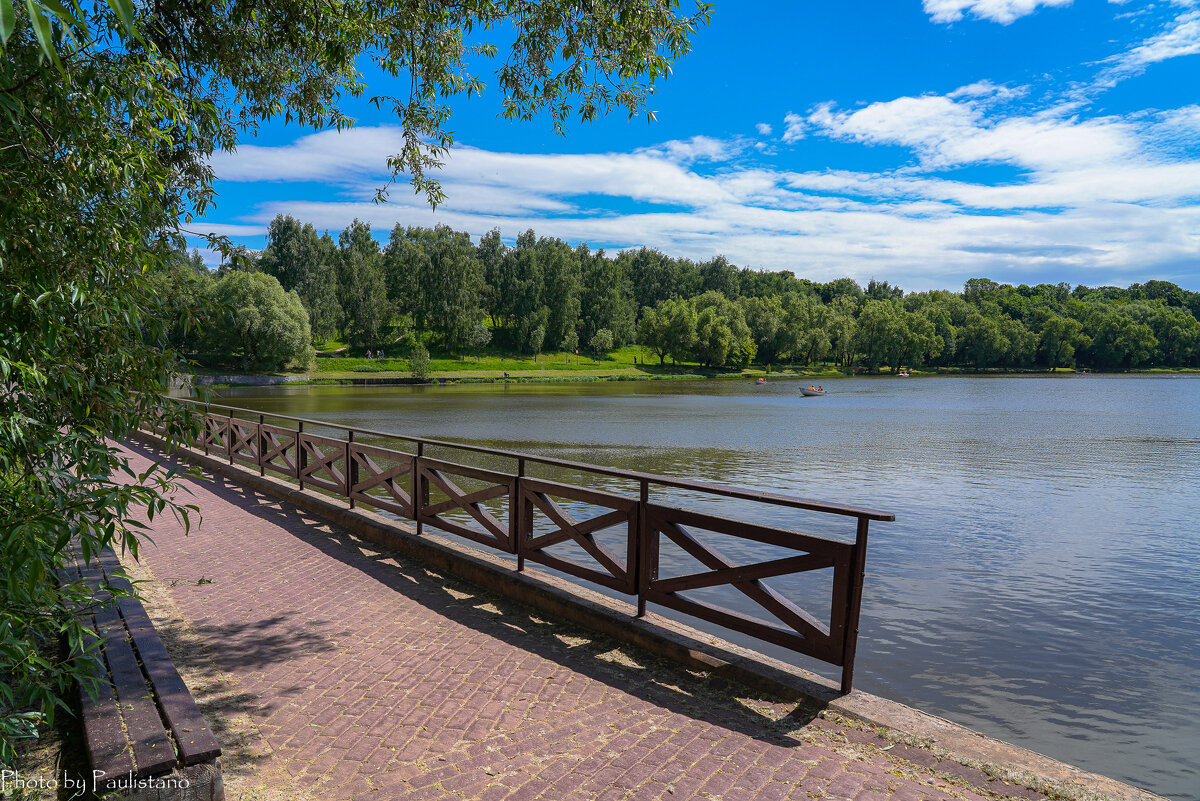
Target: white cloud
763, 128
928, 124
946, 132
1116, 196
1003, 11
795, 128
698, 148
986, 91
1181, 37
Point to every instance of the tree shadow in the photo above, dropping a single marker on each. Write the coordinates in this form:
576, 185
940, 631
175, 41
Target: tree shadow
207, 655
672, 686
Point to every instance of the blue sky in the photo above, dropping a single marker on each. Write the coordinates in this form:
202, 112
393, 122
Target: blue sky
921, 142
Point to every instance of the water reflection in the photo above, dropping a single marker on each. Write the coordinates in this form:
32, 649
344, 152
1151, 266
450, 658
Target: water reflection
1039, 582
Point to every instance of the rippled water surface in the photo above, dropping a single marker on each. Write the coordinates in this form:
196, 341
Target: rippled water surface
1041, 582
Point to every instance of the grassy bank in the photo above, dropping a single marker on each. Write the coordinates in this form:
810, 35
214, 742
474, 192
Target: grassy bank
625, 363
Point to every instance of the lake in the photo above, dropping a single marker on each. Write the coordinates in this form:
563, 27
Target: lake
1041, 582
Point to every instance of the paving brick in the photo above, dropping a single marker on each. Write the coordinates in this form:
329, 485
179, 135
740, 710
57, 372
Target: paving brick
373, 678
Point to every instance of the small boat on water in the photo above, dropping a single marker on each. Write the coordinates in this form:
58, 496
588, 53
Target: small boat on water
812, 392
902, 374
760, 381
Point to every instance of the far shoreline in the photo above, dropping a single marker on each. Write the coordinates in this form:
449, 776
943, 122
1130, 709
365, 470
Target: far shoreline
517, 376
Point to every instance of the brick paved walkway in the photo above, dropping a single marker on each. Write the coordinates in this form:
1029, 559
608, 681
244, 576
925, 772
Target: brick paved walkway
370, 677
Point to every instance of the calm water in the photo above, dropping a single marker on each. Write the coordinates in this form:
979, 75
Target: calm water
1041, 581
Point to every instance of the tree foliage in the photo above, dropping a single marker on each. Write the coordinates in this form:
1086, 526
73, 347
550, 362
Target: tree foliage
109, 114
266, 328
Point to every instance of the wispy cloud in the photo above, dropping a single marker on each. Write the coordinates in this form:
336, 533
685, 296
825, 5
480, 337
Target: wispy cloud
1003, 11
764, 129
1180, 37
946, 132
795, 127
1111, 197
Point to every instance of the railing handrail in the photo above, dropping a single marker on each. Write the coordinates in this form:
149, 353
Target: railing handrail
242, 435
740, 493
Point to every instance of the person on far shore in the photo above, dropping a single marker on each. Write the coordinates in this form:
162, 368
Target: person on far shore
368, 353
380, 354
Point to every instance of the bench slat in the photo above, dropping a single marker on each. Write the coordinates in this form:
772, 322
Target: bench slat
108, 748
153, 750
195, 740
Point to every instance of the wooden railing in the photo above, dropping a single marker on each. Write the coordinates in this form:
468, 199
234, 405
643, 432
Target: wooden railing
523, 515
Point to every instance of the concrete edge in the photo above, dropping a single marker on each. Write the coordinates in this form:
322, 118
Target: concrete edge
201, 782
686, 645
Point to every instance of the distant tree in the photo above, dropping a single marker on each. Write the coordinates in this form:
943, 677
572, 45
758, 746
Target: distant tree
806, 320
1120, 341
318, 287
481, 335
570, 342
765, 318
1021, 344
405, 260
490, 253
878, 333
669, 329
882, 290
307, 263
652, 334
722, 336
362, 287
918, 342
981, 341
761, 284
934, 308
419, 363
267, 328
605, 297
977, 290
451, 286
560, 289
518, 293
364, 299
537, 337
657, 276
842, 330
718, 275
238, 258
285, 256
601, 343
1175, 329
187, 308
1059, 337
841, 287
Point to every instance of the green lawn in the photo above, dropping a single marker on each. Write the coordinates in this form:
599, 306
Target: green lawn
494, 364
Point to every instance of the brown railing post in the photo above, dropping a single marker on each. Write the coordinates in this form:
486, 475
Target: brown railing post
519, 513
858, 562
300, 460
351, 471
204, 433
642, 550
262, 470
418, 486
229, 438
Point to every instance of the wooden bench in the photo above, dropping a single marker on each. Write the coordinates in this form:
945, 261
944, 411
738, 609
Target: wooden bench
145, 738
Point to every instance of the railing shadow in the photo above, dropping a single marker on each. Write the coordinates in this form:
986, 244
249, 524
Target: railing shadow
694, 694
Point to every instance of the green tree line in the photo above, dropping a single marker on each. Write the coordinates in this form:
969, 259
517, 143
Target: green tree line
542, 294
